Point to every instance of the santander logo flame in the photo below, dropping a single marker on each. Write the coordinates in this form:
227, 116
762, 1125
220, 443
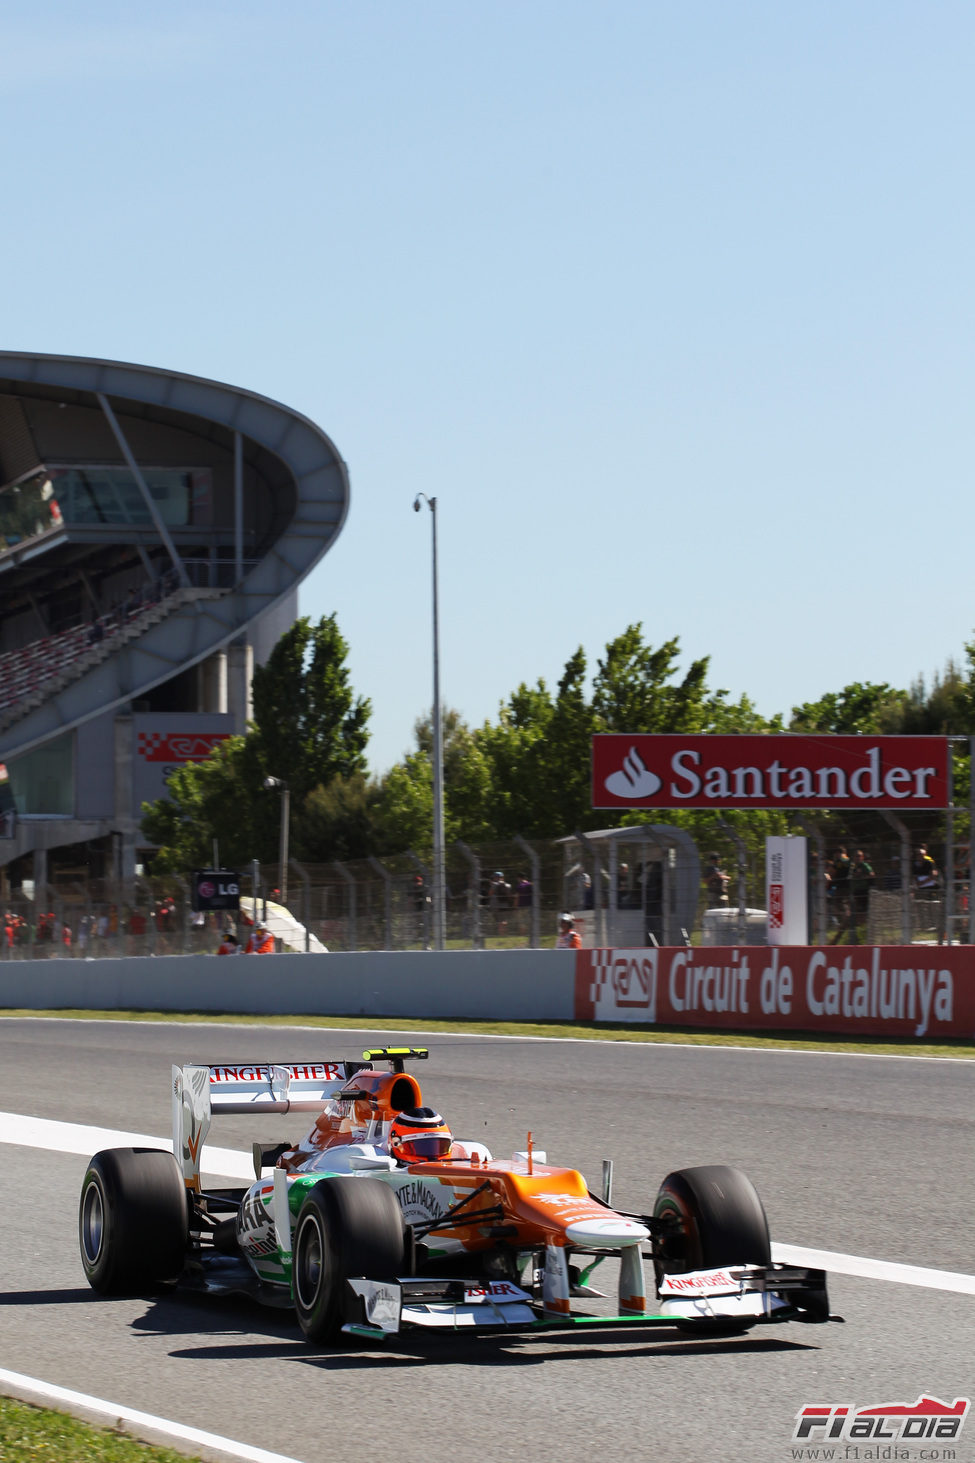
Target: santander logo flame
633, 779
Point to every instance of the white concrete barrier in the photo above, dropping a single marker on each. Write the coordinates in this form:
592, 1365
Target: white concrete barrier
505, 985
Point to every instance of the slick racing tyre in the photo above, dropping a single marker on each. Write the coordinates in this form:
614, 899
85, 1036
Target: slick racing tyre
133, 1221
347, 1227
714, 1217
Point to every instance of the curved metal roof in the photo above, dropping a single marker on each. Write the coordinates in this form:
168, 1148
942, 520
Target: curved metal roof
203, 626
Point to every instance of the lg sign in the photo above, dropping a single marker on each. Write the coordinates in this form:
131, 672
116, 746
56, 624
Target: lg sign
216, 889
769, 772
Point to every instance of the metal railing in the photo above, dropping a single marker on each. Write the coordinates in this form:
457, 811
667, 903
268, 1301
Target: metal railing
498, 895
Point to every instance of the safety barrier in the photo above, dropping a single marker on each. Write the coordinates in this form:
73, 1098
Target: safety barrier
904, 992
511, 985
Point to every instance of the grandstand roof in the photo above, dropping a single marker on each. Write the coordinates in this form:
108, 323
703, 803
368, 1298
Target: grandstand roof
231, 496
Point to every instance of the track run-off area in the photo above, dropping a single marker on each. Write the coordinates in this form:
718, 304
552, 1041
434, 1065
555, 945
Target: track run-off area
865, 1164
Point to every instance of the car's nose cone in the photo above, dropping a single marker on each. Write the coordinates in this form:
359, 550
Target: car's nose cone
606, 1234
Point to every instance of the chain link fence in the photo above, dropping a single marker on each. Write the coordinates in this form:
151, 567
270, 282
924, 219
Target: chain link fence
647, 888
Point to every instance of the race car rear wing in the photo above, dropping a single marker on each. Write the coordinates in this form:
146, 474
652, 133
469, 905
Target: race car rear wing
201, 1092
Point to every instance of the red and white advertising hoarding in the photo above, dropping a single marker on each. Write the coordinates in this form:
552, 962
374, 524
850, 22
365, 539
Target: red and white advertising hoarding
773, 771
905, 992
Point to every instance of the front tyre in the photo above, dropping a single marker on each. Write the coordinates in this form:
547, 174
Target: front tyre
712, 1217
346, 1228
132, 1221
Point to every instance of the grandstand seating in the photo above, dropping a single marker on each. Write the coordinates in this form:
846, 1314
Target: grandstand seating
35, 671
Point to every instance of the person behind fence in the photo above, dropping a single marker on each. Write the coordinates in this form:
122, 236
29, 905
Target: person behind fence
924, 869
841, 878
229, 945
261, 941
716, 881
568, 937
499, 901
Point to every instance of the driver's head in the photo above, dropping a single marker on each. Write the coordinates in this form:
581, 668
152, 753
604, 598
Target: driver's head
419, 1134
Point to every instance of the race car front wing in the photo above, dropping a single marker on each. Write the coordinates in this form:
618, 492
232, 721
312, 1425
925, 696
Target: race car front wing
734, 1296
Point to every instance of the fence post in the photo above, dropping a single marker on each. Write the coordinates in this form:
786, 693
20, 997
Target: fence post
742, 861
474, 896
820, 931
536, 864
892, 820
305, 900
599, 924
184, 912
387, 879
350, 923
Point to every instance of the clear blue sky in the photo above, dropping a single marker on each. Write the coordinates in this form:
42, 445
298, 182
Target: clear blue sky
670, 306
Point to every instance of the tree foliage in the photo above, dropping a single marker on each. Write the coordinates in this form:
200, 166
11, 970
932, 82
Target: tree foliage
525, 772
309, 730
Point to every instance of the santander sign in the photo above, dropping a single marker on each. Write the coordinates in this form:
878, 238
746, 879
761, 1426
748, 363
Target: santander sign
774, 771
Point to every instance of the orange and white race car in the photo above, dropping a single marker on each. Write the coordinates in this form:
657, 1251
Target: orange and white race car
379, 1219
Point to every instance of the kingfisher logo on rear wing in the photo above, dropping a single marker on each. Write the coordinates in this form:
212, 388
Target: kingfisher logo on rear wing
200, 1092
244, 1087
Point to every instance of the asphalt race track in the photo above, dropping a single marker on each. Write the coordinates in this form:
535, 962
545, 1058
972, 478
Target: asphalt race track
868, 1156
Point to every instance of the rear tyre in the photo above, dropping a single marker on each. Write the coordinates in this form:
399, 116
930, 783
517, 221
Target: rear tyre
715, 1218
346, 1228
133, 1221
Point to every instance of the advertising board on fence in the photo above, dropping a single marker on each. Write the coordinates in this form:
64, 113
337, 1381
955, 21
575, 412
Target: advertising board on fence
769, 771
911, 992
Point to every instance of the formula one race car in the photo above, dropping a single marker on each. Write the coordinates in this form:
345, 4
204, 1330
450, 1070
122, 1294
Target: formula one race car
379, 1219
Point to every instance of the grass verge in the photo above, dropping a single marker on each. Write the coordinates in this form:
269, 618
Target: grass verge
559, 1030
37, 1435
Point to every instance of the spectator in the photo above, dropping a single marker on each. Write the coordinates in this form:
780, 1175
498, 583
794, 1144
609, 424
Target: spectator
892, 878
840, 890
524, 892
229, 945
716, 881
924, 869
261, 941
568, 937
418, 893
499, 901
627, 889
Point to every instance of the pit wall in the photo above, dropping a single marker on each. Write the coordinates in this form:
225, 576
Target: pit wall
907, 992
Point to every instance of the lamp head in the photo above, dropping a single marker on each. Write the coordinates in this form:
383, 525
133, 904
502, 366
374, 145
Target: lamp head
416, 505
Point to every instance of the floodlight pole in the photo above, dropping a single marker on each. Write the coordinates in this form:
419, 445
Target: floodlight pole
285, 792
439, 881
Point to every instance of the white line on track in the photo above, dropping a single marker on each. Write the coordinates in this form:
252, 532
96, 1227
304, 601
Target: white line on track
58, 1137
29, 1389
868, 1269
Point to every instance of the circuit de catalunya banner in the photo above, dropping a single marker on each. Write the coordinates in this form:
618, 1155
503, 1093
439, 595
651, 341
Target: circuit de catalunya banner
773, 771
899, 991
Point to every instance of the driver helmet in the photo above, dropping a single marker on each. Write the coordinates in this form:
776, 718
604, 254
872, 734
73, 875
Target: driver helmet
419, 1134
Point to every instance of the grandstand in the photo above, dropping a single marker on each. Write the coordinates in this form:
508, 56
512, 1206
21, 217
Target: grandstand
154, 529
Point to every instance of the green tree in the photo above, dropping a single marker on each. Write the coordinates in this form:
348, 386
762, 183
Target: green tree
309, 730
634, 690
404, 800
337, 821
308, 726
858, 708
207, 800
